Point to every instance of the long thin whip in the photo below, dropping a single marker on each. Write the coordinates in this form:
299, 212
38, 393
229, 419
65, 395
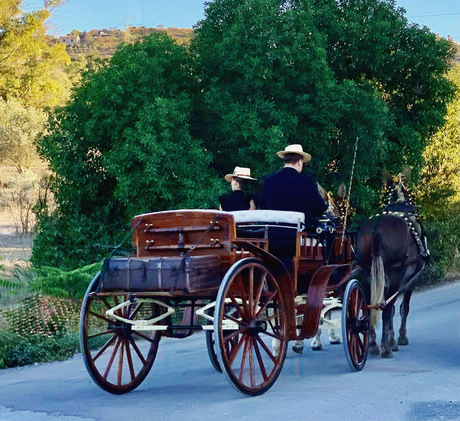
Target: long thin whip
349, 194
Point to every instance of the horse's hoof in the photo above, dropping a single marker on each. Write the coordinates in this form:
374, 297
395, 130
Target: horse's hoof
385, 352
403, 340
297, 349
313, 348
374, 350
393, 346
335, 342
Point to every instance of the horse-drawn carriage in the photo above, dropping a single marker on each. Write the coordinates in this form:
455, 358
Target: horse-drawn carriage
248, 279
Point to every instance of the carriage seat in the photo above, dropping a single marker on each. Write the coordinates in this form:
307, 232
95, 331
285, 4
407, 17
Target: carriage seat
279, 227
271, 217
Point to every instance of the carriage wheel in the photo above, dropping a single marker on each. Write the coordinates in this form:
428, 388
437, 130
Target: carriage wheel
211, 346
355, 325
117, 357
250, 312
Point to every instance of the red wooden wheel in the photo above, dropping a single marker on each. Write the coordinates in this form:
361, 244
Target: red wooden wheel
250, 313
117, 357
355, 325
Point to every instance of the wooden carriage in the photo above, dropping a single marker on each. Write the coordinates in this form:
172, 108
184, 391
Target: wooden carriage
249, 279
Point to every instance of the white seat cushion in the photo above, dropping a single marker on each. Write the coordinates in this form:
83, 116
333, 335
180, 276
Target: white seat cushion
268, 216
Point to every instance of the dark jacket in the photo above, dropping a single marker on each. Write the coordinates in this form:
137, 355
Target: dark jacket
290, 190
236, 200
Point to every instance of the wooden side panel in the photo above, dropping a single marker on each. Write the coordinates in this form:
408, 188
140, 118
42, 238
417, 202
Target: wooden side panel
172, 233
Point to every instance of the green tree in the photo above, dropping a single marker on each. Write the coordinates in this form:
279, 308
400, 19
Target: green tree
441, 172
319, 73
30, 66
371, 43
121, 147
19, 126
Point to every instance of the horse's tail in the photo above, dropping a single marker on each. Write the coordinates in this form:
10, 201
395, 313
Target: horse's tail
377, 282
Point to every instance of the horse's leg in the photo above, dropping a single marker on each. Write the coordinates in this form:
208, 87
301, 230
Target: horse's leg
404, 311
373, 347
316, 344
387, 316
275, 347
334, 339
391, 333
298, 346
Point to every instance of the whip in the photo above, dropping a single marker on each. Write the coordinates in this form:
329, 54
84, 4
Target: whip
348, 199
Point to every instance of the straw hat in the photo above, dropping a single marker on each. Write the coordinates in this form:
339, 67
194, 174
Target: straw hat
296, 148
240, 172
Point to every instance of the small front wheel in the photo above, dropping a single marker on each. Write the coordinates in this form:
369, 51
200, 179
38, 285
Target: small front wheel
117, 356
250, 313
355, 325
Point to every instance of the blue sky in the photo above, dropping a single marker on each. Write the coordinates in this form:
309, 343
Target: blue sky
441, 16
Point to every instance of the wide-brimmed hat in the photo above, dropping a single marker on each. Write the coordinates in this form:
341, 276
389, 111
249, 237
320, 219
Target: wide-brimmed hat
240, 172
296, 148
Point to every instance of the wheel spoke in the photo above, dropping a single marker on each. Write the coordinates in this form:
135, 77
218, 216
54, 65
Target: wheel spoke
243, 358
266, 349
132, 315
237, 307
251, 362
259, 292
120, 362
234, 351
264, 306
272, 335
100, 317
152, 340
261, 363
246, 311
105, 332
251, 291
106, 345
136, 348
130, 360
112, 357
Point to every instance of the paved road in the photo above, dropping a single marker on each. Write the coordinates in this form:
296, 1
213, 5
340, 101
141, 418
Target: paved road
421, 382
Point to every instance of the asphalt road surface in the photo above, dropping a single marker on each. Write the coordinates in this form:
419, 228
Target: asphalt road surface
421, 382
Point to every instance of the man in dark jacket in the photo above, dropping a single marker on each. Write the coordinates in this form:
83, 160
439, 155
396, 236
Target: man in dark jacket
290, 190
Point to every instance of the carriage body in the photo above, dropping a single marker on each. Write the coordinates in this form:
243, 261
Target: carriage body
246, 278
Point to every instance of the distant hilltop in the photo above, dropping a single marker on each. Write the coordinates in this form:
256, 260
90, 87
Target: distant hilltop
104, 42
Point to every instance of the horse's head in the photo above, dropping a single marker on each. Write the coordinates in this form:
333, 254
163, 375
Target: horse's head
396, 192
338, 208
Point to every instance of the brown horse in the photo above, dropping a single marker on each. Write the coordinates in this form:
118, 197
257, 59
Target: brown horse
391, 253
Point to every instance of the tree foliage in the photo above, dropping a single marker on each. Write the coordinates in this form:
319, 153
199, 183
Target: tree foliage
30, 67
121, 147
441, 173
143, 130
19, 126
319, 73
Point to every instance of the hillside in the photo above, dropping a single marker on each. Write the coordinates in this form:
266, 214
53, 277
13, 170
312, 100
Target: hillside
104, 42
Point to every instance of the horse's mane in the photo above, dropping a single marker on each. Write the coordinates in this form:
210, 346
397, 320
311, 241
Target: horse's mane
397, 196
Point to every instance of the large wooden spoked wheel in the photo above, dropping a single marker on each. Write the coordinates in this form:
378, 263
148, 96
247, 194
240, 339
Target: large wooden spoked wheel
250, 312
355, 325
211, 346
117, 357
